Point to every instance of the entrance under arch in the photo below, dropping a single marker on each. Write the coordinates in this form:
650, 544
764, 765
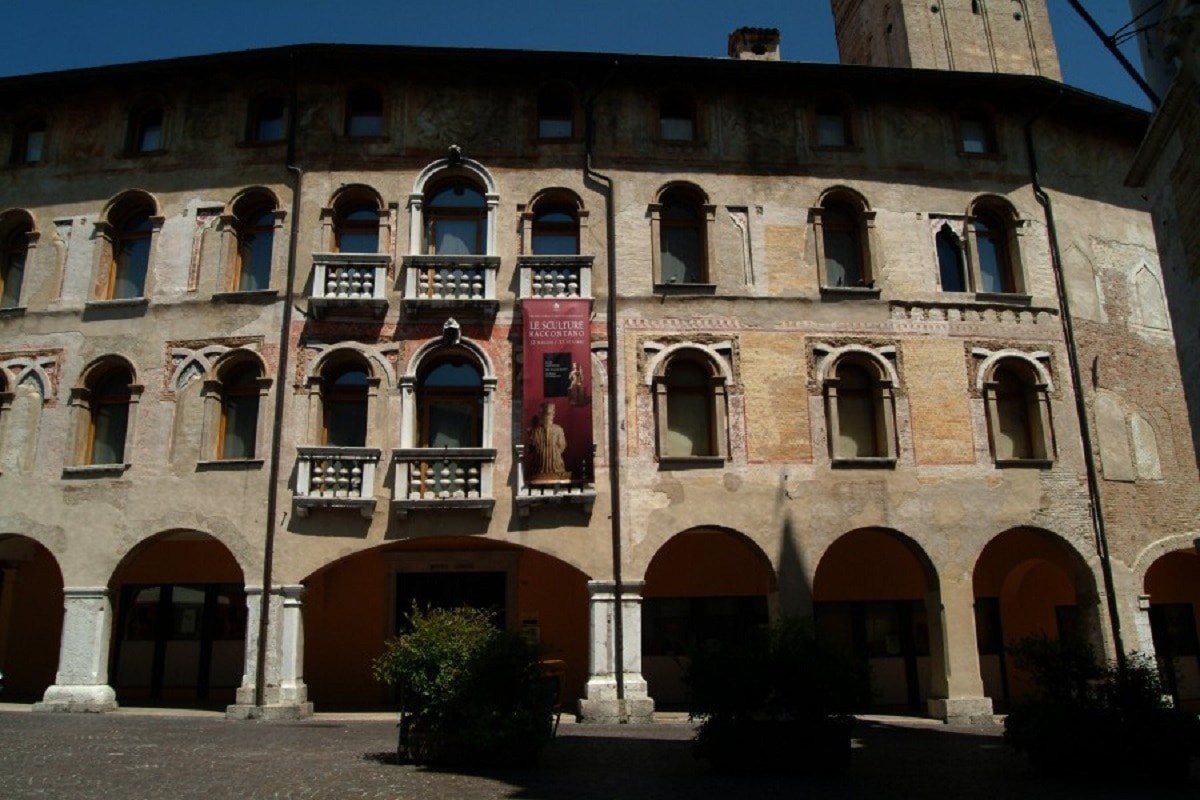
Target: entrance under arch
31, 618
352, 605
701, 585
869, 594
1173, 584
179, 636
1026, 584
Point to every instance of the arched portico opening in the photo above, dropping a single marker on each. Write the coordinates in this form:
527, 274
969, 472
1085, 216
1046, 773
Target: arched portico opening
1173, 586
179, 632
869, 594
1028, 582
703, 584
352, 605
31, 617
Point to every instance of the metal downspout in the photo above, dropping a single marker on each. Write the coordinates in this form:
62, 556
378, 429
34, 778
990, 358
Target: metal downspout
281, 371
1089, 459
614, 458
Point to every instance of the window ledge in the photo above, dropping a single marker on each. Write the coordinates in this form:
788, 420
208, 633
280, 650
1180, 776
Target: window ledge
1011, 298
685, 288
12, 311
94, 470
865, 462
849, 292
251, 297
229, 464
120, 302
1026, 463
690, 462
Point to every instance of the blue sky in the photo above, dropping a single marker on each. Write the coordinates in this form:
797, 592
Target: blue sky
47, 36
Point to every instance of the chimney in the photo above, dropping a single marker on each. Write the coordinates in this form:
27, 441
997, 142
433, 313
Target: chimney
754, 44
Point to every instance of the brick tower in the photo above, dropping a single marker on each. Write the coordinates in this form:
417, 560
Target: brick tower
967, 35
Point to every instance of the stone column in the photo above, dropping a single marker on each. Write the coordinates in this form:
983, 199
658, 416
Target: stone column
956, 690
600, 703
285, 695
82, 680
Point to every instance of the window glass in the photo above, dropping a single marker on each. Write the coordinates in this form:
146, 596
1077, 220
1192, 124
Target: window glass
677, 117
364, 113
132, 258
843, 253
456, 220
149, 130
240, 413
451, 398
358, 230
994, 273
950, 261
346, 408
831, 128
689, 410
29, 141
974, 134
12, 269
857, 426
555, 233
110, 418
681, 238
555, 115
268, 120
1013, 439
255, 241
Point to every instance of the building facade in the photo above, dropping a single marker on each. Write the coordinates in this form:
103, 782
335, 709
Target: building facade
637, 352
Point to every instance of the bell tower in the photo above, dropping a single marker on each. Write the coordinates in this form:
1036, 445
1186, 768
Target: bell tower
1011, 36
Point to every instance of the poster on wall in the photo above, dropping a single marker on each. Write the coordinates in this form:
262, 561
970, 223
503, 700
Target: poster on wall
557, 392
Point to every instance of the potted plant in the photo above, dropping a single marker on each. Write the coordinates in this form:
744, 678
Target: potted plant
469, 692
780, 701
1088, 718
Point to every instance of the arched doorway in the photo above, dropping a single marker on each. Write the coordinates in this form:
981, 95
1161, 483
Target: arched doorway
1027, 582
869, 594
703, 584
352, 605
179, 636
1173, 584
31, 617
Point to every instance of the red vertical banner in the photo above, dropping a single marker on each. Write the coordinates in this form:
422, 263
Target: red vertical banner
557, 391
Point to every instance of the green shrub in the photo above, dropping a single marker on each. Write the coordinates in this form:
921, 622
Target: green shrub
469, 692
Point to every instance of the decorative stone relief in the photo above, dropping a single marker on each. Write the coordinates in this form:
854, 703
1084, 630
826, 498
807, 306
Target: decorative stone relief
1145, 449
1149, 298
36, 371
188, 361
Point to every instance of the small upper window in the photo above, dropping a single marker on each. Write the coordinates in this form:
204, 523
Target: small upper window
268, 119
14, 250
145, 130
556, 114
29, 142
950, 260
677, 117
364, 113
455, 219
975, 130
832, 126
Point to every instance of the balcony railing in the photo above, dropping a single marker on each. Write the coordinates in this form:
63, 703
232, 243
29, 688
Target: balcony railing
445, 282
350, 283
581, 492
443, 477
555, 276
336, 477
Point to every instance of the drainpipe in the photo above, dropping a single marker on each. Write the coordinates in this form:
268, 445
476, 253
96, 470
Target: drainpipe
281, 371
614, 458
1085, 435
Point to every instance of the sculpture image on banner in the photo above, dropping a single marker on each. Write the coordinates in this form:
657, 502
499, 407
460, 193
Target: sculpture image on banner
557, 392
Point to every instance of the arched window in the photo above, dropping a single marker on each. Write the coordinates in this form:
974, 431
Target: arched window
145, 130
364, 112
860, 411
268, 119
455, 218
14, 251
555, 113
1018, 413
677, 117
991, 245
345, 394
950, 261
29, 141
682, 228
555, 230
110, 397
356, 226
132, 233
450, 395
842, 224
254, 226
689, 406
239, 411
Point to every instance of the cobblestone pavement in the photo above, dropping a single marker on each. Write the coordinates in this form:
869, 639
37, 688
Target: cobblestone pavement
136, 756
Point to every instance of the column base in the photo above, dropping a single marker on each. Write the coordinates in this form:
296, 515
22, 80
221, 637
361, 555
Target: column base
269, 712
610, 711
962, 710
77, 699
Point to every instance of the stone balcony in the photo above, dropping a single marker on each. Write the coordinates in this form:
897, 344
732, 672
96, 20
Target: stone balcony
555, 276
350, 284
530, 496
455, 282
443, 478
335, 477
